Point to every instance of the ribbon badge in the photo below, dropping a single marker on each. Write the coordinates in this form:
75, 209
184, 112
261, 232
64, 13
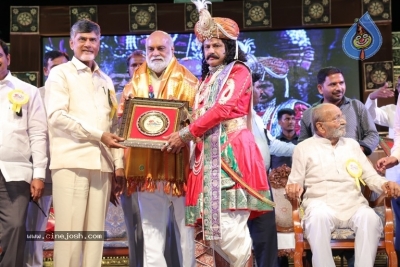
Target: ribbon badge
17, 98
355, 170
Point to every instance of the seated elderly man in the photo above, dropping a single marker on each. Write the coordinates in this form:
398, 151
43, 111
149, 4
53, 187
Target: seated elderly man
331, 167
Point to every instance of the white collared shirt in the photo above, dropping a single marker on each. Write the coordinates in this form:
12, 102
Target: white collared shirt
383, 116
22, 138
78, 113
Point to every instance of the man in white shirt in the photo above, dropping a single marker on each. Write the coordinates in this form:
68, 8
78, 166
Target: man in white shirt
81, 107
23, 131
333, 198
384, 115
390, 165
263, 228
38, 213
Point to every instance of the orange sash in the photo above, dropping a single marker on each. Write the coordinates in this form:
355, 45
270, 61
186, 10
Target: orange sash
145, 167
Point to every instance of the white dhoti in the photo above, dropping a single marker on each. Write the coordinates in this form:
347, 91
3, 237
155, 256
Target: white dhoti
154, 211
235, 245
320, 221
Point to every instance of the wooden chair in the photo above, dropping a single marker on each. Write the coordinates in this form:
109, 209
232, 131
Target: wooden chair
386, 243
283, 210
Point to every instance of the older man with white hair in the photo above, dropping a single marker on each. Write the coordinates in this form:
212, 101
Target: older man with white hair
153, 173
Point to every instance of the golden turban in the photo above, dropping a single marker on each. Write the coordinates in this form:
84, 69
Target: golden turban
208, 27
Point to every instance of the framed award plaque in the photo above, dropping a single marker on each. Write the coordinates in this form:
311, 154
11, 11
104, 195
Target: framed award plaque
145, 122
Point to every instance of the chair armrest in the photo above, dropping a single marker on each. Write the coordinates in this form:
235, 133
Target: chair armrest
389, 223
296, 216
298, 230
281, 229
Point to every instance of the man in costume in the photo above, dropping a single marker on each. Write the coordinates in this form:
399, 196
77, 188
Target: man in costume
81, 107
156, 175
333, 199
228, 176
274, 86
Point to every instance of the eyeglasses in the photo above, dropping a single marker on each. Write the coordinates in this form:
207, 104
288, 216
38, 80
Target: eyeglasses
338, 119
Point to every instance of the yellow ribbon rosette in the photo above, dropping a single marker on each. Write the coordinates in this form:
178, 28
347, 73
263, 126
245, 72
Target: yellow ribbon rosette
17, 98
112, 100
355, 170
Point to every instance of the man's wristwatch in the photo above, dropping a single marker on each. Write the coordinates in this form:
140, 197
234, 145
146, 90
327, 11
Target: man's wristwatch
41, 179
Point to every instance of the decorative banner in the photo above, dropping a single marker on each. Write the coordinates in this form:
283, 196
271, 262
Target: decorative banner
396, 49
30, 77
316, 12
376, 74
24, 19
396, 56
82, 12
396, 74
363, 39
378, 9
256, 13
192, 15
395, 39
142, 17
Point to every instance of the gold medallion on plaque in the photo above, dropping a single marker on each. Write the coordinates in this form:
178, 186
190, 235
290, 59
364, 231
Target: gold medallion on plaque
153, 123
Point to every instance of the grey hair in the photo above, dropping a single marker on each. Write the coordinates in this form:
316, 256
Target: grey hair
318, 114
84, 26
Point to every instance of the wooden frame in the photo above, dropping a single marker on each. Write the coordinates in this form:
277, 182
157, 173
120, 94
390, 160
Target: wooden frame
145, 122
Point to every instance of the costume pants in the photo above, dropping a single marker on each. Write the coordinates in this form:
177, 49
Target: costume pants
130, 206
36, 221
80, 199
235, 245
154, 211
320, 221
14, 198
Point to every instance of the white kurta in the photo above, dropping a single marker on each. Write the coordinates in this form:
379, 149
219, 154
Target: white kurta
332, 199
321, 169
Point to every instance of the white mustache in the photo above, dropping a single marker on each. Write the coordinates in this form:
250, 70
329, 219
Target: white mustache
157, 58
